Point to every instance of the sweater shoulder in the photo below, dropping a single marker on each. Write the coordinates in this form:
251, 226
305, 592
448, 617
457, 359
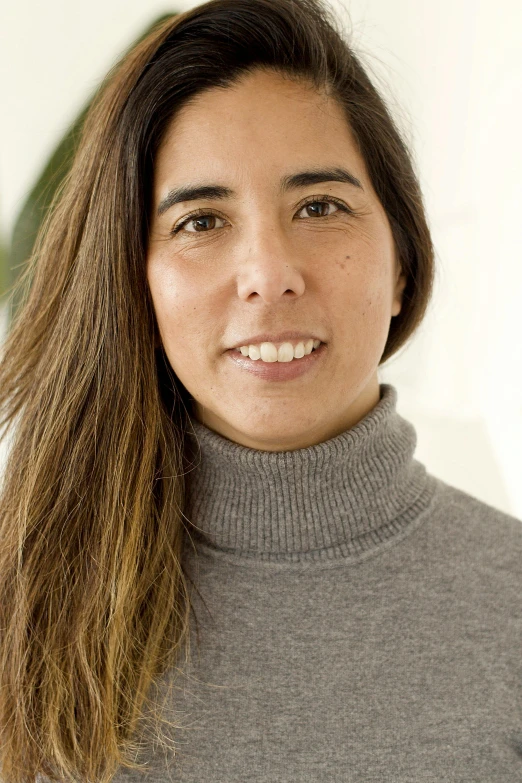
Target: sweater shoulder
451, 497
488, 535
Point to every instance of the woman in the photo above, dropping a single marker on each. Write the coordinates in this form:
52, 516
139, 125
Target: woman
220, 560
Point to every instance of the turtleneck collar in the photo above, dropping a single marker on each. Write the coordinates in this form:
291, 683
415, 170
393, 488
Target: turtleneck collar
338, 498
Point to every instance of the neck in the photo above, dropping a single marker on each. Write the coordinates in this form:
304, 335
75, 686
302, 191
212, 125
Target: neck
337, 498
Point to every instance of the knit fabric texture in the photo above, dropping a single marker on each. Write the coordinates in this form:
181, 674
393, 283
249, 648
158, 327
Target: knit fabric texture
354, 619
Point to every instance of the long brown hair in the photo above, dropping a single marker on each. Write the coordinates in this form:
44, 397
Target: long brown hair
93, 597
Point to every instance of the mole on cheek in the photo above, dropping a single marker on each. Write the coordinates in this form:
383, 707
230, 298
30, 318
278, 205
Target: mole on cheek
341, 264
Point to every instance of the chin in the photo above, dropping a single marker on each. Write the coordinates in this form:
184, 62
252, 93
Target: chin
272, 436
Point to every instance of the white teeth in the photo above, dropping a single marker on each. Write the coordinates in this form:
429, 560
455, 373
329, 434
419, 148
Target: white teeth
268, 352
299, 351
285, 352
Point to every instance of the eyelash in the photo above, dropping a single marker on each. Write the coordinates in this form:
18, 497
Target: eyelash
313, 200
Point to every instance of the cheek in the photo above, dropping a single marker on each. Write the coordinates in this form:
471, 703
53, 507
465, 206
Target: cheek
357, 281
358, 293
183, 313
174, 302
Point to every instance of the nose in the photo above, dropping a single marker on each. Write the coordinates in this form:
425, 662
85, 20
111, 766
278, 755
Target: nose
270, 269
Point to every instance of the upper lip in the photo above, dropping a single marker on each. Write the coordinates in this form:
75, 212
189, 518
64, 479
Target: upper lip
256, 339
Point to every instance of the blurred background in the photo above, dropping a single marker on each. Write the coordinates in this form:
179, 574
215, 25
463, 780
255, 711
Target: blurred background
451, 72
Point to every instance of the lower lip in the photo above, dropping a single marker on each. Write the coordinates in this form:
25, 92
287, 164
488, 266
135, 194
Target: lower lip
278, 371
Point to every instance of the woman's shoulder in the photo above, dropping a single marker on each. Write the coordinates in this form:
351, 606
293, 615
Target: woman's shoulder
489, 536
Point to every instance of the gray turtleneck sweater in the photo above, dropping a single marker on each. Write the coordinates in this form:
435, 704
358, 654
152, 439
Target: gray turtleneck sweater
357, 619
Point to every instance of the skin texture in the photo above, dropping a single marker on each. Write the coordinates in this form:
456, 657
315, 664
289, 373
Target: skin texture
266, 263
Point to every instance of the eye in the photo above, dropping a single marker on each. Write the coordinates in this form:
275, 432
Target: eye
199, 218
321, 201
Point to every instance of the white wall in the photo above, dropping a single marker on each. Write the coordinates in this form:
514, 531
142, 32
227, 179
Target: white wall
453, 71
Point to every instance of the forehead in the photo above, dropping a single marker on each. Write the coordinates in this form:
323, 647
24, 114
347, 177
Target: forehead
261, 123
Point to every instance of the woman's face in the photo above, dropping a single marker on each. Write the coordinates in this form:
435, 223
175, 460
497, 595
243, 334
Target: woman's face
276, 248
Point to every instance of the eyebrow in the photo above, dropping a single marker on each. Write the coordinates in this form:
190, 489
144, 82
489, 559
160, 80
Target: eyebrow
289, 182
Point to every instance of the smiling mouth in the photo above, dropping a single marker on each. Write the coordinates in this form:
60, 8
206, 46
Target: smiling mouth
286, 352
276, 370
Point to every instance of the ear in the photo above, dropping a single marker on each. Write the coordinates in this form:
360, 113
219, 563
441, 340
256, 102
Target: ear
400, 285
